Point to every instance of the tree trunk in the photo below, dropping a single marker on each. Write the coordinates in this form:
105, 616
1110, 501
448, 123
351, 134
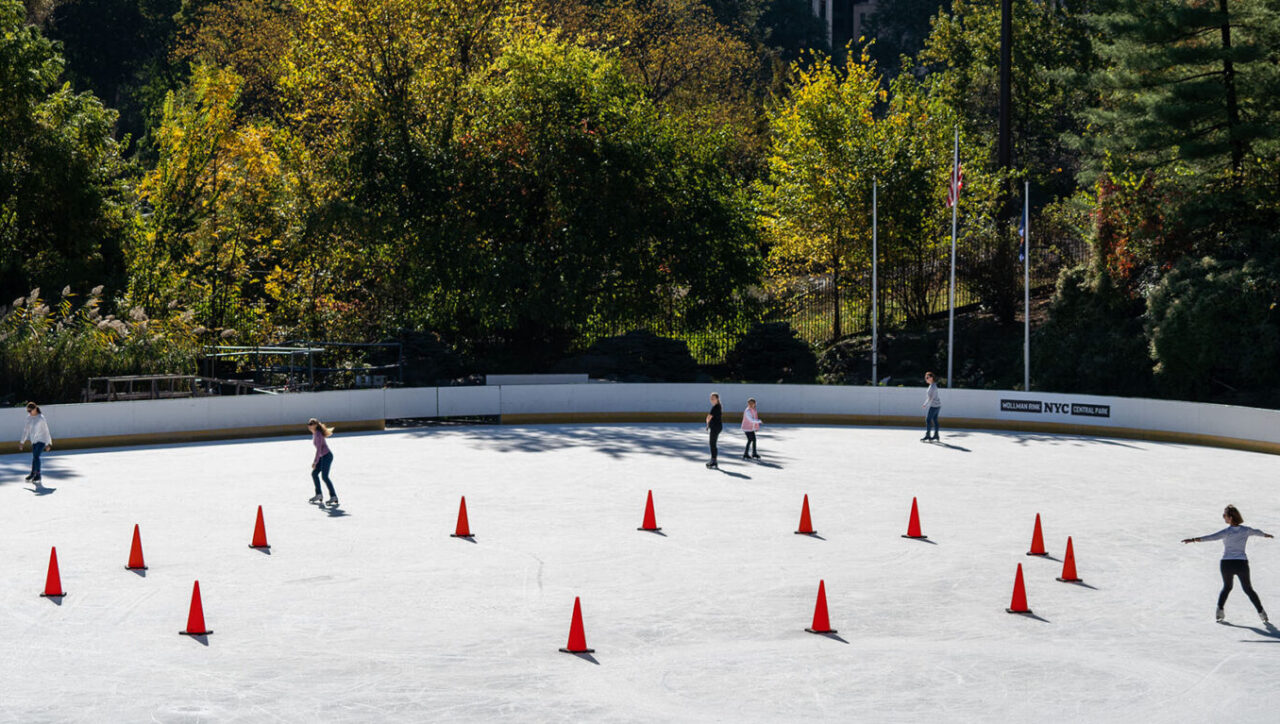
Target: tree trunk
1229, 81
836, 331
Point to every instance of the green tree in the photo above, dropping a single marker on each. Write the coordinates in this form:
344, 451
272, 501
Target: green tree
220, 201
64, 209
579, 202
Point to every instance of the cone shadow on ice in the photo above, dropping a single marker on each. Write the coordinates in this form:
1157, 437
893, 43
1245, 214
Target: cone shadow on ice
202, 638
1029, 614
830, 635
584, 656
142, 572
1081, 584
811, 535
656, 531
56, 599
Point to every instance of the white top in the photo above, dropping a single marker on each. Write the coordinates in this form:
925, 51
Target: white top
931, 398
1233, 539
36, 430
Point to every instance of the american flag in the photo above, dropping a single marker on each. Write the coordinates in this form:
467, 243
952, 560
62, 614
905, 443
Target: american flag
957, 183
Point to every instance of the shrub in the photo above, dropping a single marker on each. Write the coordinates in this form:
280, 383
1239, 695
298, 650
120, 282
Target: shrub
1214, 327
1093, 341
47, 353
428, 360
638, 356
771, 352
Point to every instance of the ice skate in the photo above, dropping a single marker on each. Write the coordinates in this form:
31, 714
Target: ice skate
333, 502
1221, 616
317, 499
1262, 614
712, 465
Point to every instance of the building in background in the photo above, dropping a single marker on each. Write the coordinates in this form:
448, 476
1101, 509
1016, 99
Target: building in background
846, 20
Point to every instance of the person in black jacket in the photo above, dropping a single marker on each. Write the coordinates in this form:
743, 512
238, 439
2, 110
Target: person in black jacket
714, 426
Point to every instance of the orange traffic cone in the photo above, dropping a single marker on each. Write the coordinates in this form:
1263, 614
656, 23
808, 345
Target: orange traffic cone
53, 581
577, 637
1019, 603
195, 619
135, 552
464, 530
1037, 541
650, 520
259, 532
913, 525
821, 625
806, 525
1069, 566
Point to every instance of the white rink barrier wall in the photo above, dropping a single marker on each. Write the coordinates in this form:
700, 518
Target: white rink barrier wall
151, 421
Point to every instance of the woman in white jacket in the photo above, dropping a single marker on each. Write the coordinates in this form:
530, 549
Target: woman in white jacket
37, 431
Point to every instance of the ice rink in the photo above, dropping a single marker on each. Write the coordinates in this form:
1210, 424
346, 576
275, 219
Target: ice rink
371, 612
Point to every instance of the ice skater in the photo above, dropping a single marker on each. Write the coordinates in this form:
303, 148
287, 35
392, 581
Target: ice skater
750, 424
714, 425
323, 460
932, 405
37, 431
1234, 562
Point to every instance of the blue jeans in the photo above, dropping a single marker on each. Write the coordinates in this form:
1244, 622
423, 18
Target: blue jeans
36, 449
322, 468
931, 420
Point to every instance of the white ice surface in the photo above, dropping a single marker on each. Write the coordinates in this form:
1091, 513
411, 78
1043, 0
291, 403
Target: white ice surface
378, 615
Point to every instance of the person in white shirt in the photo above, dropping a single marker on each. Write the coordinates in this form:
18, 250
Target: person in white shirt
932, 405
750, 425
37, 431
1234, 562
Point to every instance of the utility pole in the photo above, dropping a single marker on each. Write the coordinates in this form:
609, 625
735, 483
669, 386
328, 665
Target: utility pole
1004, 146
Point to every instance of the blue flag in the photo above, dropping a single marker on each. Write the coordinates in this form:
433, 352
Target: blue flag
1022, 234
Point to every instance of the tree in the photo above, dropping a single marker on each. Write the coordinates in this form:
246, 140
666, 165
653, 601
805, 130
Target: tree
1190, 99
1189, 81
828, 145
219, 197
822, 158
578, 201
64, 209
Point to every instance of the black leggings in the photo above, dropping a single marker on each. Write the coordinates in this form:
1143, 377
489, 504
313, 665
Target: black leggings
751, 444
715, 435
1240, 569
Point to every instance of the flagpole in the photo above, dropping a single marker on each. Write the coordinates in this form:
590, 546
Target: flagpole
1026, 286
951, 295
875, 258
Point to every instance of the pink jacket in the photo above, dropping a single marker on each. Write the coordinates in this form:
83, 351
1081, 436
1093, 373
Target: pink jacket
322, 447
750, 420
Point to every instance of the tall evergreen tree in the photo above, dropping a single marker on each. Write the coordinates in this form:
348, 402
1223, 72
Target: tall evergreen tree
1189, 82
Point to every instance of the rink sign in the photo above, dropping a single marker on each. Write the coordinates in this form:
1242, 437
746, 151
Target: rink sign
1041, 407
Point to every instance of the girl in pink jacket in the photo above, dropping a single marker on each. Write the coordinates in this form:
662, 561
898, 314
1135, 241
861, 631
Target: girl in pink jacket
750, 423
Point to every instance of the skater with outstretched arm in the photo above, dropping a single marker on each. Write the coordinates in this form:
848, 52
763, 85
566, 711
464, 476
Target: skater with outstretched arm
750, 424
323, 460
932, 405
714, 425
1234, 562
36, 430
